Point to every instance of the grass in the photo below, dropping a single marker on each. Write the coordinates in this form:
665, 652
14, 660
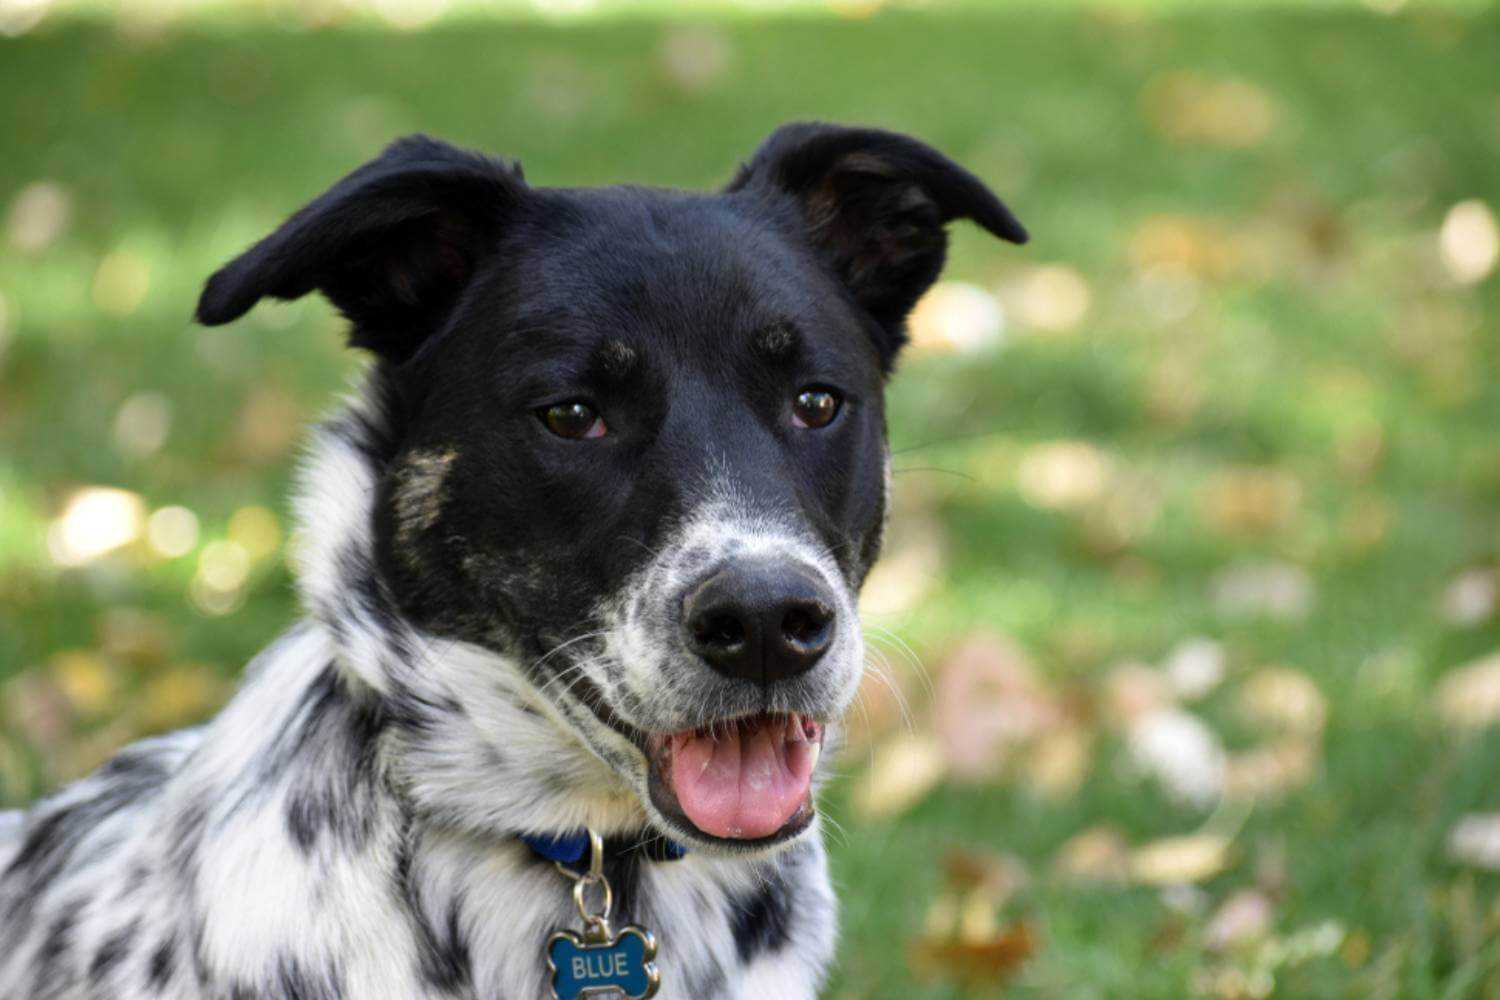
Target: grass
1273, 356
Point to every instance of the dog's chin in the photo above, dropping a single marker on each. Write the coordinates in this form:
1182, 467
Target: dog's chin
739, 784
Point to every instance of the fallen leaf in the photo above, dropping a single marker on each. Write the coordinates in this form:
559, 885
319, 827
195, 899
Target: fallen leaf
902, 771
1179, 751
1132, 691
1470, 241
908, 572
1063, 475
1274, 590
38, 215
1195, 667
1059, 760
992, 875
1252, 501
1099, 854
1472, 597
976, 964
1187, 107
1271, 770
989, 701
1180, 860
1283, 699
1243, 919
1475, 841
1052, 299
1469, 696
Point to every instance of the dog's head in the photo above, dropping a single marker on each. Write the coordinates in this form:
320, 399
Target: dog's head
638, 436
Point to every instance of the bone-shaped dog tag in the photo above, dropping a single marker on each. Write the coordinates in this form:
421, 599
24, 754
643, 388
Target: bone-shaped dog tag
600, 961
582, 968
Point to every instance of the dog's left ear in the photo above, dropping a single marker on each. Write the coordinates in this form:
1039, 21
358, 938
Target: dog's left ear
392, 245
874, 205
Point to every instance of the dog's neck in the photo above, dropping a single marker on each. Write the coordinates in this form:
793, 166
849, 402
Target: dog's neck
470, 740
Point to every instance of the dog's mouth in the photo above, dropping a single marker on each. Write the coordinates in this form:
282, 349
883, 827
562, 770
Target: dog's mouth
747, 779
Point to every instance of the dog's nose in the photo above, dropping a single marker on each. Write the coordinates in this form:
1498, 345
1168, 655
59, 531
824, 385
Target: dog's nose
760, 620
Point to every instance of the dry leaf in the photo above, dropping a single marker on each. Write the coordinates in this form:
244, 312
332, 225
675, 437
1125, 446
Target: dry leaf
1059, 760
1195, 667
1184, 244
976, 964
1180, 860
1270, 770
1252, 501
1470, 241
1132, 691
989, 700
908, 572
1475, 841
1469, 696
1052, 299
1181, 752
1275, 590
1244, 918
1283, 699
903, 770
1099, 854
1187, 107
1063, 475
994, 876
1472, 597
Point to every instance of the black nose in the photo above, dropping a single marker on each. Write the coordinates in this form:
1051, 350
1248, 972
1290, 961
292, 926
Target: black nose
760, 620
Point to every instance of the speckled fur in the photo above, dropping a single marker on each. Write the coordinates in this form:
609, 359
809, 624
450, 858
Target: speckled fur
345, 828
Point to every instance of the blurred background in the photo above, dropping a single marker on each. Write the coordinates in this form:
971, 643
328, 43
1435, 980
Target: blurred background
1186, 656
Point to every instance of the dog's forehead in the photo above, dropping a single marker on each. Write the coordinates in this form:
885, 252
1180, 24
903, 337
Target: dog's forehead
624, 272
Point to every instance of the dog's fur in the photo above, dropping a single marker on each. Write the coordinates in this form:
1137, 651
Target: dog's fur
493, 612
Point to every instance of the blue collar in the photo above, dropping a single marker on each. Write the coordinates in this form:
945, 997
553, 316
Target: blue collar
571, 848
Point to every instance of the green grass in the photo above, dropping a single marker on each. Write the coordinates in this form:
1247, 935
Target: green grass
177, 146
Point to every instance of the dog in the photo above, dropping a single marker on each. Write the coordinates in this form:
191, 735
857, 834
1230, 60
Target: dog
581, 554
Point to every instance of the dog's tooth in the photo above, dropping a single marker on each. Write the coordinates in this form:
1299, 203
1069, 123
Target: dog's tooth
817, 751
794, 731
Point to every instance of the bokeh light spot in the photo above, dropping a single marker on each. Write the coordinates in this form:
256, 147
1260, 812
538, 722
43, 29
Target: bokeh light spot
172, 532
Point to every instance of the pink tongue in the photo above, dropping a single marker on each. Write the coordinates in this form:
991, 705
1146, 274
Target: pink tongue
746, 784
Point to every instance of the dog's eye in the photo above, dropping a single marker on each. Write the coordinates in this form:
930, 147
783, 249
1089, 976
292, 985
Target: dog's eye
815, 406
574, 420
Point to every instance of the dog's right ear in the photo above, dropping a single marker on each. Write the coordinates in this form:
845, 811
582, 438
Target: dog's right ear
392, 245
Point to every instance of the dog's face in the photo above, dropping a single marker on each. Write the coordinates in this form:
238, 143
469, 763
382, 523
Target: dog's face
638, 435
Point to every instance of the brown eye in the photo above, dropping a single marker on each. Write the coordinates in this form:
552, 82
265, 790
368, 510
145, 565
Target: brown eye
815, 407
572, 420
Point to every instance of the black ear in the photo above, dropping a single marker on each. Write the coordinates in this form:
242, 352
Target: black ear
392, 245
874, 205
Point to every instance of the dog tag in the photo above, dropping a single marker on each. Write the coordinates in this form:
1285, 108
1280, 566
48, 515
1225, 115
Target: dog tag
599, 962
581, 968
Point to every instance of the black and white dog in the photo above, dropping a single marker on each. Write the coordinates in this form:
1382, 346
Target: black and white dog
583, 553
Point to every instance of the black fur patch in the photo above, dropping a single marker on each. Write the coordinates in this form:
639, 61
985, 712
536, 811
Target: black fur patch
112, 952
159, 968
332, 756
762, 921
